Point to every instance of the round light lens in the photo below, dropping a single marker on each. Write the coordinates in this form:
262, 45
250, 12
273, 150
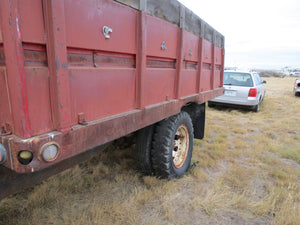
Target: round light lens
2, 154
25, 157
49, 151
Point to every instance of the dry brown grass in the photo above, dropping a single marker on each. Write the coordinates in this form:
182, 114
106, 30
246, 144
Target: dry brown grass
245, 171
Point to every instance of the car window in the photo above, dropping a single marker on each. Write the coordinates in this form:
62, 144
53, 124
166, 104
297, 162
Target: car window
257, 79
238, 79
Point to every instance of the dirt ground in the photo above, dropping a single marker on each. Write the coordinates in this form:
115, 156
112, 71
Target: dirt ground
246, 170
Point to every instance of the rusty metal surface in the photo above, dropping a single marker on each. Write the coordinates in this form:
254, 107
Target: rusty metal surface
17, 89
116, 77
63, 80
54, 16
94, 133
12, 182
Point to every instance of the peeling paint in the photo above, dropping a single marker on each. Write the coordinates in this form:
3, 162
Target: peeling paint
51, 135
57, 64
36, 140
64, 65
18, 28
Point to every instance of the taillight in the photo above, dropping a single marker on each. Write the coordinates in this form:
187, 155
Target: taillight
252, 92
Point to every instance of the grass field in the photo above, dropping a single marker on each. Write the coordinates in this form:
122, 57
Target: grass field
245, 171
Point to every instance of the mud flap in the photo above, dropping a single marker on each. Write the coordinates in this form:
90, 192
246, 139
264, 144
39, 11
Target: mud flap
197, 113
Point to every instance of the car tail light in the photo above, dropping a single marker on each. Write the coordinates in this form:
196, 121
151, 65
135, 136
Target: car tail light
252, 92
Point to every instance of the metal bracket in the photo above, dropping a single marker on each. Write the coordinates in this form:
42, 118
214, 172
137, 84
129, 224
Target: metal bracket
81, 119
182, 16
163, 46
106, 30
95, 59
6, 130
191, 52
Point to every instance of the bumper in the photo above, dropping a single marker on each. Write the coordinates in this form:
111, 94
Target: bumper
297, 90
249, 102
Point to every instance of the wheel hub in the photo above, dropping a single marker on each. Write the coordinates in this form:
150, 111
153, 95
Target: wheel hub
180, 146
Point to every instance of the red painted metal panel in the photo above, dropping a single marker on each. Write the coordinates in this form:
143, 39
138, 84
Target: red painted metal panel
207, 52
188, 82
159, 85
32, 21
190, 47
217, 77
218, 56
190, 55
159, 31
218, 68
100, 93
86, 18
205, 80
37, 80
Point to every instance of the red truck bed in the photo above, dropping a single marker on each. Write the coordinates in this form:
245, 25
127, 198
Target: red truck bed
82, 73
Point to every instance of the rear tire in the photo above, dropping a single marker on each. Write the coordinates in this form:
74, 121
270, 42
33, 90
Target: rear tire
256, 108
172, 146
211, 105
143, 149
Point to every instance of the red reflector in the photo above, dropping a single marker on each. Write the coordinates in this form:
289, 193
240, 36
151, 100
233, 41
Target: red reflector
252, 92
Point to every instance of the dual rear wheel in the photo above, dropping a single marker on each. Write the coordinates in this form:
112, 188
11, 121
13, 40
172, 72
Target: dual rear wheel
165, 149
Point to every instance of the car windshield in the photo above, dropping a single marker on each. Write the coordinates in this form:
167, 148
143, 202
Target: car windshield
238, 79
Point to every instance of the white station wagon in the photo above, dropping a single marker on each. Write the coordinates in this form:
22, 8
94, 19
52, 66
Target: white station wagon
242, 89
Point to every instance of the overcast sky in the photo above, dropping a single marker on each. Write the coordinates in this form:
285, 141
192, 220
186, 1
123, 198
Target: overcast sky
263, 34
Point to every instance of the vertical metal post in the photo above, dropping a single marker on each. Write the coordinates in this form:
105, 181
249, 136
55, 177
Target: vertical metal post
16, 80
141, 55
213, 60
222, 61
54, 15
200, 60
179, 63
143, 5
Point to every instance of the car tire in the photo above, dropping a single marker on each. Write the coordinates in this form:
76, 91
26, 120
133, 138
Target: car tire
143, 149
211, 105
256, 108
172, 146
